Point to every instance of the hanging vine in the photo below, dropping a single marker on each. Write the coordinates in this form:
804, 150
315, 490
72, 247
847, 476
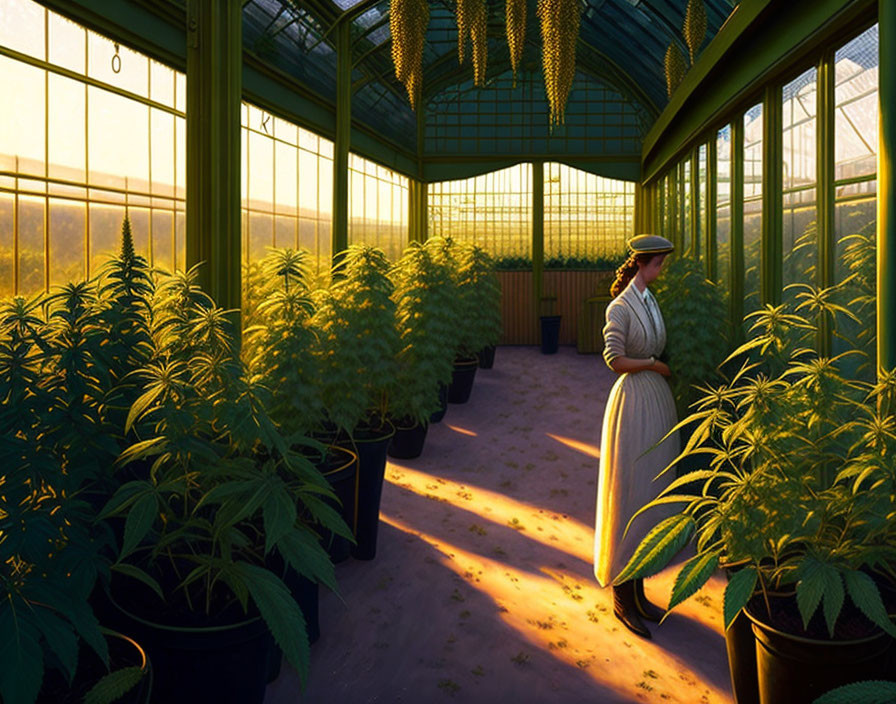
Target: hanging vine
559, 34
675, 68
408, 20
694, 28
472, 21
515, 20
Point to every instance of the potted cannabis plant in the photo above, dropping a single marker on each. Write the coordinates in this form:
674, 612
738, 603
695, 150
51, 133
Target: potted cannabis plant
479, 300
282, 350
798, 476
65, 361
201, 519
360, 344
426, 322
446, 253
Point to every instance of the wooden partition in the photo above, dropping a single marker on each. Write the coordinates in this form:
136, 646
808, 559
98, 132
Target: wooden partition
571, 288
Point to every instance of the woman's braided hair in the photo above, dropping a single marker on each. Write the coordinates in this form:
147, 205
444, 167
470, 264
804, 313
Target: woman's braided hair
627, 271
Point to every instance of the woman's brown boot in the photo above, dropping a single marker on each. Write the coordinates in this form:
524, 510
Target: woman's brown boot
626, 610
647, 610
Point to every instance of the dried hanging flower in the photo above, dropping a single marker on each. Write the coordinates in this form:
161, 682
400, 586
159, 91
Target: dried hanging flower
694, 26
515, 19
408, 20
559, 35
675, 68
479, 37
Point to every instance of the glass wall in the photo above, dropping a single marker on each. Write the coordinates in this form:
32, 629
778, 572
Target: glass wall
685, 210
586, 217
723, 208
76, 157
287, 188
493, 210
378, 207
752, 206
800, 240
701, 202
855, 174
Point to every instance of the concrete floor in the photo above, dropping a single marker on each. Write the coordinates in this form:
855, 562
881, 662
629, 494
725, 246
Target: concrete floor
482, 589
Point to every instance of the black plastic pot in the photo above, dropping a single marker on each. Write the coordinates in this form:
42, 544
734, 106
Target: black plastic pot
123, 652
340, 467
226, 664
462, 380
371, 446
407, 443
437, 416
741, 646
550, 333
798, 670
487, 357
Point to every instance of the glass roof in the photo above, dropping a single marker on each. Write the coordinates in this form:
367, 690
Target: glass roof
622, 45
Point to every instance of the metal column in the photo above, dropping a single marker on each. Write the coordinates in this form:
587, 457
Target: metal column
214, 88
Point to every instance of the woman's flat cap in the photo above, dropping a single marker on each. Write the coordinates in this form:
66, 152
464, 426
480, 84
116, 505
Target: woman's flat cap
650, 244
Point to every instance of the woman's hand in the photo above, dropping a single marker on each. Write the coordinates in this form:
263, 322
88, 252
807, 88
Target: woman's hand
662, 368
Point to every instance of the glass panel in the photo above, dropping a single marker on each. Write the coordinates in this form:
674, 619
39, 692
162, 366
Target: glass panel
493, 210
723, 208
856, 203
118, 141
800, 241
139, 218
162, 160
66, 43
22, 27
67, 150
105, 56
372, 218
21, 145
105, 233
31, 245
586, 217
7, 243
684, 190
856, 106
163, 239
285, 175
752, 205
701, 201
161, 83
67, 227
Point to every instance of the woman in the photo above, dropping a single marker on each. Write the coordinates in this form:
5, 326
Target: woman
639, 412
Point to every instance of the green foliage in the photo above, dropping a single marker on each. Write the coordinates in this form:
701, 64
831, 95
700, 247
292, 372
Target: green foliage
867, 692
426, 320
216, 484
357, 338
114, 686
66, 361
799, 478
560, 262
279, 341
696, 318
479, 299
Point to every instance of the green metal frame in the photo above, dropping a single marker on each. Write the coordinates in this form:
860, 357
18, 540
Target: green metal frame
711, 226
537, 233
736, 290
771, 264
825, 190
342, 142
695, 203
213, 219
886, 192
758, 43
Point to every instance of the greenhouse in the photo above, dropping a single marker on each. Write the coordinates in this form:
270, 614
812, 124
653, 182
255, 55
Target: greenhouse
452, 350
